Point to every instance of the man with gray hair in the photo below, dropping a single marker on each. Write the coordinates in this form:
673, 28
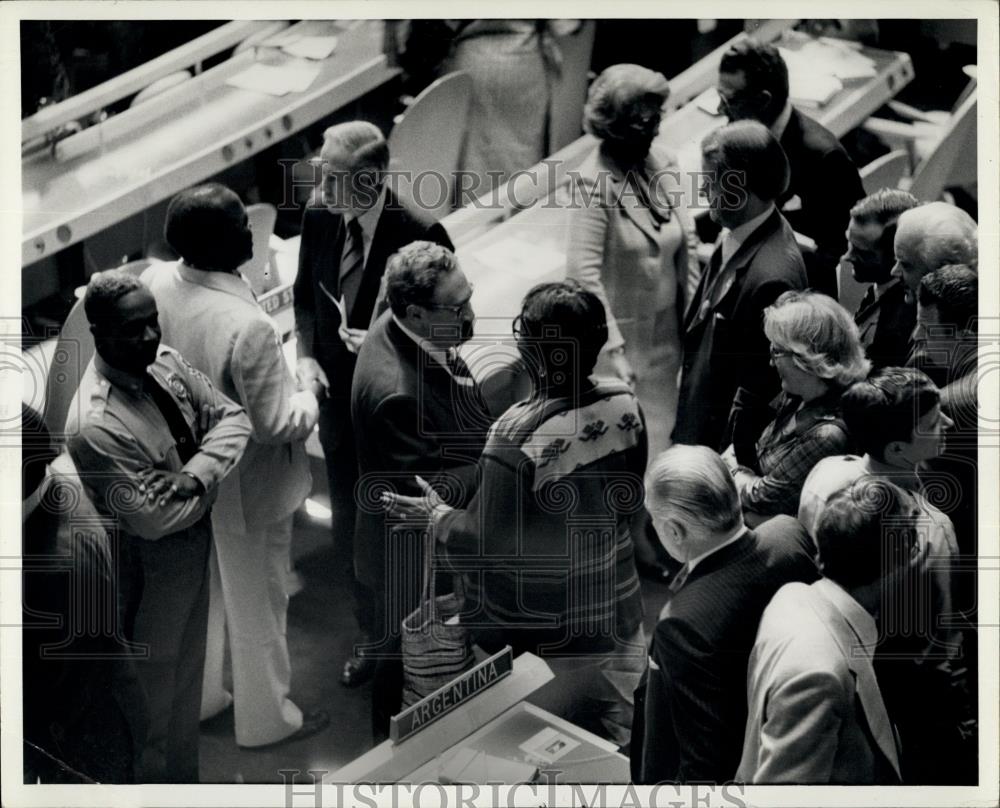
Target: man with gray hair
416, 410
932, 236
351, 227
696, 708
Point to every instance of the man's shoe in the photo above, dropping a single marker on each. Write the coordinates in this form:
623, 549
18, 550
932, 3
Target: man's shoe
357, 671
312, 722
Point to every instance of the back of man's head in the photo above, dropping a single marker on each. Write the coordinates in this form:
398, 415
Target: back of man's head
883, 208
206, 225
360, 143
866, 532
745, 155
942, 234
105, 289
692, 484
764, 71
954, 291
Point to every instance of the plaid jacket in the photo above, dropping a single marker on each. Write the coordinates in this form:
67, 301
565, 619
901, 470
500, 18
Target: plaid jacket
788, 449
545, 545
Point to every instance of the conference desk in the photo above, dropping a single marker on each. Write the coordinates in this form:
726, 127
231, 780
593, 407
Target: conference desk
186, 135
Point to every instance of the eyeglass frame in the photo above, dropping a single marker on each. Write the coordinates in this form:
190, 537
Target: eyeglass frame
455, 309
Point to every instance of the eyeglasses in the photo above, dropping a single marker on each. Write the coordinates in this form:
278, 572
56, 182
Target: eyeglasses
455, 309
517, 327
777, 353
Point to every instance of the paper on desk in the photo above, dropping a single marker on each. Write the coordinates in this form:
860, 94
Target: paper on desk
292, 77
311, 47
340, 304
515, 256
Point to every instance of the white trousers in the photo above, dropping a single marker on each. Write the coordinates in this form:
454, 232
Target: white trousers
249, 594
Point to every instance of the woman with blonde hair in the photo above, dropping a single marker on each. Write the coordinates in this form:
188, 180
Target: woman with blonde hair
817, 352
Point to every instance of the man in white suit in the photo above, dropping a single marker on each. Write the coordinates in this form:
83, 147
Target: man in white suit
816, 715
209, 314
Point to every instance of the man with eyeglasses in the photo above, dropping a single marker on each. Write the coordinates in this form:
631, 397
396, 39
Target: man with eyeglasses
416, 410
885, 320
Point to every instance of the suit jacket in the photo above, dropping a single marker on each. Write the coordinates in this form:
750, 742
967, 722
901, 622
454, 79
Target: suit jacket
215, 322
816, 714
886, 327
828, 184
695, 699
727, 364
316, 317
410, 416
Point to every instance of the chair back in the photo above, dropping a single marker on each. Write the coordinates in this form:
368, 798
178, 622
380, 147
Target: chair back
74, 350
161, 85
260, 270
427, 141
954, 156
885, 171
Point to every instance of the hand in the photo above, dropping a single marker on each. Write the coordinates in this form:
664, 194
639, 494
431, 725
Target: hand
167, 485
622, 367
210, 417
308, 372
352, 337
427, 508
729, 458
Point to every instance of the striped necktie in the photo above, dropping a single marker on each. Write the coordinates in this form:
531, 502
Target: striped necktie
352, 262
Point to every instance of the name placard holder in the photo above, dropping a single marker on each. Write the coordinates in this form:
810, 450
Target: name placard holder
445, 699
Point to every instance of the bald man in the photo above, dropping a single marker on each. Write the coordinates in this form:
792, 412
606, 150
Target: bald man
929, 237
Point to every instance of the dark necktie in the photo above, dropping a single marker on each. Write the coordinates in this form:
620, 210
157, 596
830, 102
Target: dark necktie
867, 300
457, 365
352, 262
178, 426
704, 291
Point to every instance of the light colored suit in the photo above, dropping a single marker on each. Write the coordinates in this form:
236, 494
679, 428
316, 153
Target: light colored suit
213, 319
816, 714
639, 267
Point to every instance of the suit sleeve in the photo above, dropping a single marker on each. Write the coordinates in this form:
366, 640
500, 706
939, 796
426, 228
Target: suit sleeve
798, 737
408, 444
222, 446
302, 291
758, 383
264, 385
585, 253
840, 185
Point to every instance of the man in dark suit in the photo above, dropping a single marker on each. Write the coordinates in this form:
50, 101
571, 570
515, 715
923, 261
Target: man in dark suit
727, 380
753, 84
696, 706
417, 411
347, 237
885, 320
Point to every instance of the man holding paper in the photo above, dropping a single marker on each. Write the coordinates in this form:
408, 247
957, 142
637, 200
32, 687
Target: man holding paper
349, 230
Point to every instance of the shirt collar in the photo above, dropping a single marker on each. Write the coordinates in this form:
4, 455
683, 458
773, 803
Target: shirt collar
370, 217
437, 354
119, 378
860, 620
779, 126
736, 535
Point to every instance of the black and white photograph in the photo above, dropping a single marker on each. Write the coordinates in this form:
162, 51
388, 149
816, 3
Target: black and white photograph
469, 411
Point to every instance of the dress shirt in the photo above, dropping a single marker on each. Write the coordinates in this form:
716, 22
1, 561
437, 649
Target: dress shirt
733, 239
779, 126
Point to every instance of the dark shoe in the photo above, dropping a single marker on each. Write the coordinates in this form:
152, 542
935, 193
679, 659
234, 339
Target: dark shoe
357, 671
312, 722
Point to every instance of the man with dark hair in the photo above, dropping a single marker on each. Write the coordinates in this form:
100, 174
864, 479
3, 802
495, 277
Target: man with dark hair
209, 313
348, 233
416, 411
696, 694
885, 320
817, 714
753, 84
897, 421
152, 439
727, 379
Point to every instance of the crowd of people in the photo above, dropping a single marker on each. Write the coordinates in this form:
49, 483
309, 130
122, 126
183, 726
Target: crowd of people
727, 423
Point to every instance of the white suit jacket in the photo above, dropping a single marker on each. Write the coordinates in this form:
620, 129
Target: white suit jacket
215, 323
816, 714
